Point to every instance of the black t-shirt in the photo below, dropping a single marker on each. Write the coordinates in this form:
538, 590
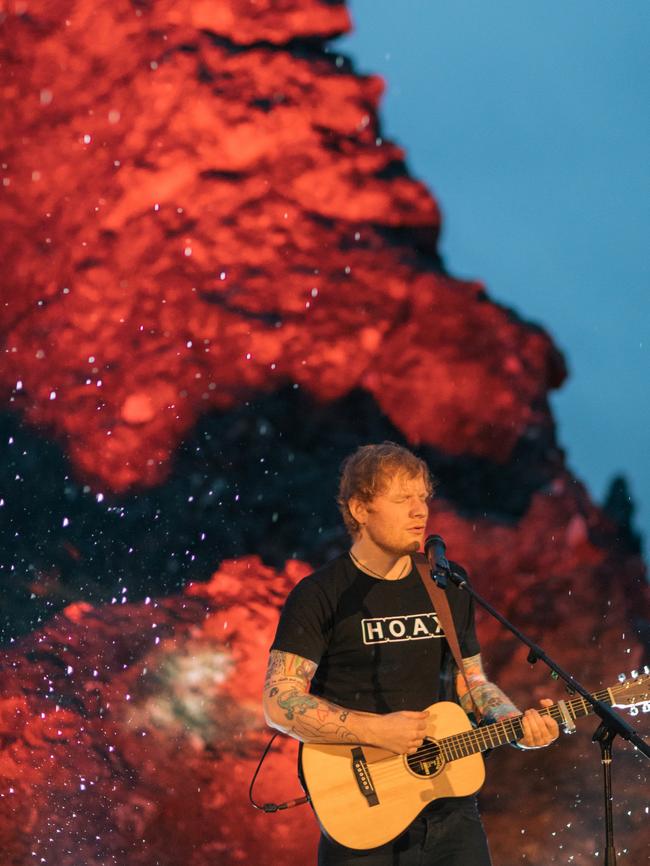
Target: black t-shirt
378, 643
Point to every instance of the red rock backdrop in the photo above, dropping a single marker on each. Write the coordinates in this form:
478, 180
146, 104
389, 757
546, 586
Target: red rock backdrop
217, 279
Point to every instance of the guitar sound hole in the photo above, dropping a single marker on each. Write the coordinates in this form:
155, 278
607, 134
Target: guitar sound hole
428, 760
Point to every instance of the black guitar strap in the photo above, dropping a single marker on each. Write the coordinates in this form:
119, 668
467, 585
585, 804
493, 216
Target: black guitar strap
441, 606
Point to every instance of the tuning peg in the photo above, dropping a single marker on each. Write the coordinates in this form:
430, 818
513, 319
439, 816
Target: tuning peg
645, 706
646, 670
634, 675
622, 678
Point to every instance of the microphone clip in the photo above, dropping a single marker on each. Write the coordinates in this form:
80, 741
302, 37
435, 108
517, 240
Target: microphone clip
440, 575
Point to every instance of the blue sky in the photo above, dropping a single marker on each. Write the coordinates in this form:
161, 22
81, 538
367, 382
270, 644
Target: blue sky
530, 122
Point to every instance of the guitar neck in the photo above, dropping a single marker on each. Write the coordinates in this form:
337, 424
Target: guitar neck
509, 730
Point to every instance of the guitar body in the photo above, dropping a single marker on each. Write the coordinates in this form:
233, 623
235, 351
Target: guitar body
364, 797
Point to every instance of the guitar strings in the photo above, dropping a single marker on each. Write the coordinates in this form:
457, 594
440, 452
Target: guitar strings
481, 739
476, 739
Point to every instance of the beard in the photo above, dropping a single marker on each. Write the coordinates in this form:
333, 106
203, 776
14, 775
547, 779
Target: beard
396, 546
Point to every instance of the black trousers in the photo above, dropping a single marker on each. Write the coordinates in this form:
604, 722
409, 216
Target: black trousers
447, 833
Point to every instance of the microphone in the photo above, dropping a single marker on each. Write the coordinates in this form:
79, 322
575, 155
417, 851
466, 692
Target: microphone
435, 549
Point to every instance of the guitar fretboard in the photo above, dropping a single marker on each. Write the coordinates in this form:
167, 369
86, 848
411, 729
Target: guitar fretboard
509, 730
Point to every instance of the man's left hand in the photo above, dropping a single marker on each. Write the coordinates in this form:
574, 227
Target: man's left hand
539, 730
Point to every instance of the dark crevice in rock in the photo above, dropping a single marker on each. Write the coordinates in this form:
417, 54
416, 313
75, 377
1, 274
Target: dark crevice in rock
312, 48
260, 478
620, 507
420, 244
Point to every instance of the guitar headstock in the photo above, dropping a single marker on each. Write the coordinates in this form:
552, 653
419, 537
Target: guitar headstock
633, 690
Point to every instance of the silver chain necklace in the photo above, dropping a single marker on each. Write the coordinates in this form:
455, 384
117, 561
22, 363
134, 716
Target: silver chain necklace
363, 567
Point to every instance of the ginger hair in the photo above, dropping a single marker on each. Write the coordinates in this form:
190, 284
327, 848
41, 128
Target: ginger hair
368, 471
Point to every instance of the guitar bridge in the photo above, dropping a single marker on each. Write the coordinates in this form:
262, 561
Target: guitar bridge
363, 777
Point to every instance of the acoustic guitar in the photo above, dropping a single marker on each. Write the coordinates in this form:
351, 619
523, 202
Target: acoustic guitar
364, 796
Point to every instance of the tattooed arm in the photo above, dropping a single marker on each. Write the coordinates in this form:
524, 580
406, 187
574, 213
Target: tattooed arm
493, 705
289, 707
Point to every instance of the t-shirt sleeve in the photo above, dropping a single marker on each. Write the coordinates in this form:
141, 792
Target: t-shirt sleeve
469, 645
467, 639
305, 622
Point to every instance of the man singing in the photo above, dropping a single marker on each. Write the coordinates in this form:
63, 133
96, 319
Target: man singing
344, 667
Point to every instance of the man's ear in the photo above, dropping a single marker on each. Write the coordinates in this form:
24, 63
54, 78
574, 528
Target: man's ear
358, 510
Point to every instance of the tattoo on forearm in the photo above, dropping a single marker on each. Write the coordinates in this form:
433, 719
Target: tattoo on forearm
293, 701
492, 703
322, 721
305, 716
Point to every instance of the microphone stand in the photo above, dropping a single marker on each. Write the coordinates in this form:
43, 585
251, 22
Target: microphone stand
611, 723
